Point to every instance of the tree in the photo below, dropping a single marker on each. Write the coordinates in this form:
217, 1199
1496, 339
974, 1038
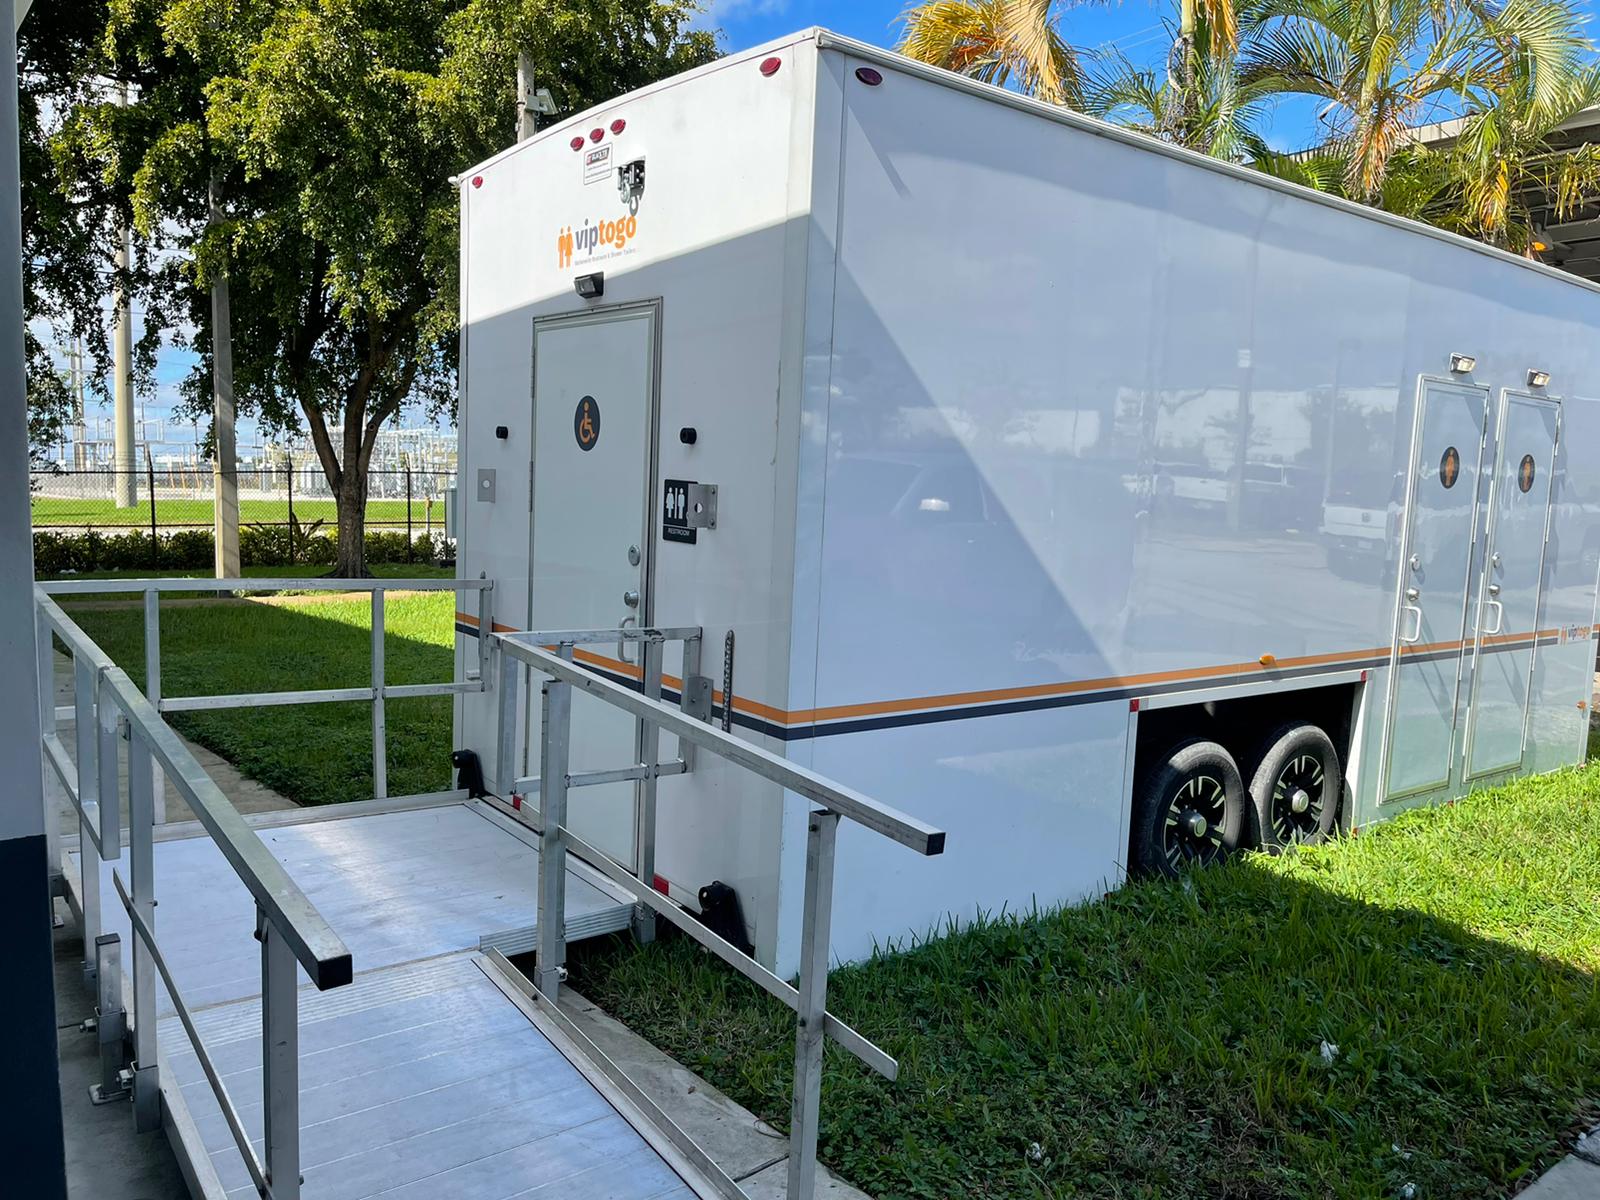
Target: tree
1213, 110
996, 41
1381, 65
1507, 161
331, 128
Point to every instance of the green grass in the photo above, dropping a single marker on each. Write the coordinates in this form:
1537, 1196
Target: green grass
102, 514
313, 754
1166, 1041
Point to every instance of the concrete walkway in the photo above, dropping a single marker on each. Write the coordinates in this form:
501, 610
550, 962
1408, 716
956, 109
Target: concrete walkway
1576, 1177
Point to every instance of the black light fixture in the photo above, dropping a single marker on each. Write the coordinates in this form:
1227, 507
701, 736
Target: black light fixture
590, 287
502, 432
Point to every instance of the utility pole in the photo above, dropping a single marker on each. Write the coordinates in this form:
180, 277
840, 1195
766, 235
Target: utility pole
125, 482
80, 451
224, 463
527, 112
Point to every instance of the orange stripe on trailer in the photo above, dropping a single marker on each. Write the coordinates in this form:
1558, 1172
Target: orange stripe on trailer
836, 712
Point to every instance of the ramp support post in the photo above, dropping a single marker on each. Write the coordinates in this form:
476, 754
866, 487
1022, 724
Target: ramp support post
554, 742
110, 1020
141, 854
644, 917
821, 839
280, 1062
85, 734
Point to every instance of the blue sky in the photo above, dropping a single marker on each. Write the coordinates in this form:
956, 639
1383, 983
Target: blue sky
1138, 28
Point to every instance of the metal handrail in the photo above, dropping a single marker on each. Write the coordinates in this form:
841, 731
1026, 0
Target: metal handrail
813, 1022
321, 952
108, 707
375, 693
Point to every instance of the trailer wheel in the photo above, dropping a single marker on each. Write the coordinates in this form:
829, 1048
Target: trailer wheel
1190, 810
1294, 794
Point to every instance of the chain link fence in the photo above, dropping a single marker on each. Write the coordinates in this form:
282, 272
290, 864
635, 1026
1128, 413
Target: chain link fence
290, 497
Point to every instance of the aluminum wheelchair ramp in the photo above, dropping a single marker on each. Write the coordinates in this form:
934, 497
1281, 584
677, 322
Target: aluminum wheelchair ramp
419, 1081
429, 1075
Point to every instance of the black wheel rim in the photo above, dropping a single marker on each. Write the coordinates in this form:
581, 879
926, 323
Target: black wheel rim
1196, 814
1297, 803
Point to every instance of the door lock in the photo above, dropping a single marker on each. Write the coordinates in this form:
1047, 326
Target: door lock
1494, 589
631, 598
633, 556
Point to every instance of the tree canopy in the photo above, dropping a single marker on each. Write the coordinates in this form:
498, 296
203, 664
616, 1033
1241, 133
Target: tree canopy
304, 149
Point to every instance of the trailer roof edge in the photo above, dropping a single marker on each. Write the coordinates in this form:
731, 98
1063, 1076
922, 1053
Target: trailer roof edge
827, 40
814, 33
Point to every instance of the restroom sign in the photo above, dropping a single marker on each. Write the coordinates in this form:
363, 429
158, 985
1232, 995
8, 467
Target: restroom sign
675, 526
686, 508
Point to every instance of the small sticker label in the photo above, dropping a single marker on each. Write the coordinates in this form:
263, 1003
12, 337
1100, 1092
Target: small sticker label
597, 164
675, 525
1450, 467
586, 423
1525, 473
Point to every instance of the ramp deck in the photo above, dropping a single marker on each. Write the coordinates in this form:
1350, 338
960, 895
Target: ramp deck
428, 1075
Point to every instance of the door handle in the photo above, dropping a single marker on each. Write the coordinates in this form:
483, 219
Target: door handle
1416, 632
622, 644
1499, 616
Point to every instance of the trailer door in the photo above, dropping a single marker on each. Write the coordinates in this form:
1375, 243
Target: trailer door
594, 444
1508, 597
1439, 534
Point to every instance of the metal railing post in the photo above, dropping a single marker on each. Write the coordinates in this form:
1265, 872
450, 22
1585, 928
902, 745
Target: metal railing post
505, 754
280, 1063
557, 724
44, 640
86, 741
107, 763
110, 1020
821, 840
644, 917
380, 747
691, 670
485, 632
152, 687
141, 856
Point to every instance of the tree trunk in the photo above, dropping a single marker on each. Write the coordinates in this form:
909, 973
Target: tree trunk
351, 503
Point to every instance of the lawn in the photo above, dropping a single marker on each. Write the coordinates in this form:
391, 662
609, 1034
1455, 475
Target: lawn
1416, 1006
1168, 1040
55, 511
314, 754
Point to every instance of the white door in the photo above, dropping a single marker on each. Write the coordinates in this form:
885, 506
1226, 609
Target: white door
1508, 599
593, 464
1440, 533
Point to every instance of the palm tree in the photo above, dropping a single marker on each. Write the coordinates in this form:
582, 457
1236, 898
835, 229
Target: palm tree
1211, 109
1380, 64
1002, 42
1508, 166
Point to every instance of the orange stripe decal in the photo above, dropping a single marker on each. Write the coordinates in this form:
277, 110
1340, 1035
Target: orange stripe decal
875, 708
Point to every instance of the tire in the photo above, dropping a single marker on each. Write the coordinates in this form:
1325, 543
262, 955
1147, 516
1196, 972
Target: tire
1294, 793
1194, 779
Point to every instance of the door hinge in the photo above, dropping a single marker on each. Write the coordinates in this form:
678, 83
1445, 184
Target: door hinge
530, 485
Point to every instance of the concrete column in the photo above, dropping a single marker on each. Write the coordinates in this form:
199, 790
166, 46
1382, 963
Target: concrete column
30, 1133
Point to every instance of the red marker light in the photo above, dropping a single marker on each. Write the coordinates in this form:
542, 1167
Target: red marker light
477, 181
596, 134
769, 66
618, 125
577, 142
869, 76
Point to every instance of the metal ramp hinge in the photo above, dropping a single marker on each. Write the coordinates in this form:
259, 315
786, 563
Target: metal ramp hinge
697, 697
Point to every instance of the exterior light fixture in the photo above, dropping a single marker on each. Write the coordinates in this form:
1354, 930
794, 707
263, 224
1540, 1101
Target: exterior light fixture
1462, 364
869, 76
769, 66
590, 287
1538, 378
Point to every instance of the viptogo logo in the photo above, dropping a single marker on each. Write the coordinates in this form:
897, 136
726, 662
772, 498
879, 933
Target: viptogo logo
595, 239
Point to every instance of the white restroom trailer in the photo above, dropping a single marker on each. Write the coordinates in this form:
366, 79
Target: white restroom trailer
1039, 450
